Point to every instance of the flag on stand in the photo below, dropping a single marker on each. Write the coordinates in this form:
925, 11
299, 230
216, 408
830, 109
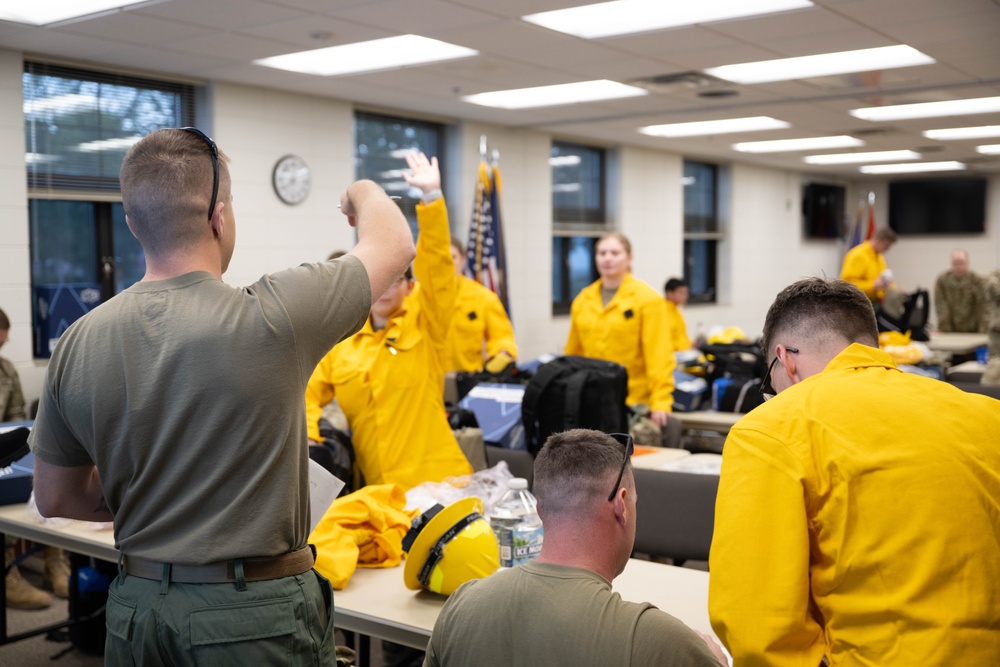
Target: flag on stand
864, 221
486, 260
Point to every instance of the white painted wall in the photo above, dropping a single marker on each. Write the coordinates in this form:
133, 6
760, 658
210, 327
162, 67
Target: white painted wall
764, 250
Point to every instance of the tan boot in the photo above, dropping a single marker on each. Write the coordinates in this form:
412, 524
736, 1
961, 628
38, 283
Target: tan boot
20, 593
57, 571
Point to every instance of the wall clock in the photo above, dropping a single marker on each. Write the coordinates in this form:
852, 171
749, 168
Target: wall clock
291, 179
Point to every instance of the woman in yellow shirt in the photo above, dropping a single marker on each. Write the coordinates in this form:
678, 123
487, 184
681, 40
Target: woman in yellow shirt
622, 319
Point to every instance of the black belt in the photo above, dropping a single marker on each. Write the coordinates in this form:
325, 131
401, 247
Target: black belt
254, 569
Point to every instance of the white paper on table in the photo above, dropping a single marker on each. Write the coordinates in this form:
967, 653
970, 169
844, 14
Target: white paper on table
323, 490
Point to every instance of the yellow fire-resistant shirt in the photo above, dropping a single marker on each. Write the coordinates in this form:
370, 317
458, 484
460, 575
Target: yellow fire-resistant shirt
631, 330
390, 383
858, 517
862, 266
678, 327
479, 319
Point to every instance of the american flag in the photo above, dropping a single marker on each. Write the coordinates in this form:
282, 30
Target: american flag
486, 260
863, 229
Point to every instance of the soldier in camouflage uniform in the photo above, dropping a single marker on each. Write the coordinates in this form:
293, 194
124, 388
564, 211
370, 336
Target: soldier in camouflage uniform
959, 298
992, 289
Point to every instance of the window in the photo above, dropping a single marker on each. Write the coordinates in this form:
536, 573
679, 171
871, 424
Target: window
78, 126
380, 144
580, 216
702, 230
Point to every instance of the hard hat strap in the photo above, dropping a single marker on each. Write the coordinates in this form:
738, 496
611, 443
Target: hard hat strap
437, 551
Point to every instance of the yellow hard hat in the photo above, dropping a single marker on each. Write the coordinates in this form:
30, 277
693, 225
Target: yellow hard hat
448, 546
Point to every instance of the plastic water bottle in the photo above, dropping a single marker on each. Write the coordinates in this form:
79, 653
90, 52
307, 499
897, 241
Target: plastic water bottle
516, 524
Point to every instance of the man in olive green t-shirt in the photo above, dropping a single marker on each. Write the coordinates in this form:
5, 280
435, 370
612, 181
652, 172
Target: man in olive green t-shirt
560, 609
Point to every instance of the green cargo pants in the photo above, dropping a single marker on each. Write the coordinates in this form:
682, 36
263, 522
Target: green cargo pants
285, 621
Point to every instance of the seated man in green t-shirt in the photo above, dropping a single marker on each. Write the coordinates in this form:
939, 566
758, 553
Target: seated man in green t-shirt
560, 609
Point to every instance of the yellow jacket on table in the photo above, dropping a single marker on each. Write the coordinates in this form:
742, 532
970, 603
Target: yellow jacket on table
631, 330
479, 317
845, 526
862, 266
390, 383
678, 327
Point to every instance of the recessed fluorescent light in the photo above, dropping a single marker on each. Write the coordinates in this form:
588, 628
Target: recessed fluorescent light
806, 144
990, 149
563, 93
854, 158
374, 55
622, 17
980, 132
706, 127
53, 11
824, 64
929, 109
911, 167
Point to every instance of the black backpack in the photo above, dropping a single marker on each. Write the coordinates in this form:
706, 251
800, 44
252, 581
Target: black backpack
744, 366
916, 311
336, 454
574, 392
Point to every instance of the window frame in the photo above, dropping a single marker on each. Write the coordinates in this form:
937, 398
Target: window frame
700, 228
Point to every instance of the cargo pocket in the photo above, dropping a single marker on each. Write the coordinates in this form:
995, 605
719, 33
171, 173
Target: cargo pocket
120, 620
244, 634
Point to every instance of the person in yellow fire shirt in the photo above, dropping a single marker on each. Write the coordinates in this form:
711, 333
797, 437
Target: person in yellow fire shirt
389, 377
479, 320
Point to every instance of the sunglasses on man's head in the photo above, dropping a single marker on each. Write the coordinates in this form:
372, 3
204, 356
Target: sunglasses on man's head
626, 440
214, 151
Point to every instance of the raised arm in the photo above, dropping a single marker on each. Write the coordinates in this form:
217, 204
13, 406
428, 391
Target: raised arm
385, 244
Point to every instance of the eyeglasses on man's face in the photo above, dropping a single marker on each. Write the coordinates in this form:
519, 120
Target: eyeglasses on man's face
626, 440
214, 150
766, 388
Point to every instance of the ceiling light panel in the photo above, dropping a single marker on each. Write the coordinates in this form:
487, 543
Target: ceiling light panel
911, 167
980, 132
825, 64
858, 158
53, 11
622, 17
929, 109
991, 149
372, 56
547, 96
805, 144
709, 127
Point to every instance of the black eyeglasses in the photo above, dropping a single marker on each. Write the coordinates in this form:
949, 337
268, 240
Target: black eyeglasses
214, 150
626, 440
766, 388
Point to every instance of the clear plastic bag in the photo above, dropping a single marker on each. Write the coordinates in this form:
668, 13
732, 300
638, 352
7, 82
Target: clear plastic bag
488, 485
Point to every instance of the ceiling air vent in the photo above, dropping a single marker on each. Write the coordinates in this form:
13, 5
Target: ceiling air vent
701, 84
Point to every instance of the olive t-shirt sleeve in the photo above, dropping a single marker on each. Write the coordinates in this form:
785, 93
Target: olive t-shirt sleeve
661, 639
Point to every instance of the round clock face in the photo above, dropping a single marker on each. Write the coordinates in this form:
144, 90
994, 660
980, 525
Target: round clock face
291, 179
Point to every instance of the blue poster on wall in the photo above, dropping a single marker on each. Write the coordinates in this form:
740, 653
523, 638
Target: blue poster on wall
55, 307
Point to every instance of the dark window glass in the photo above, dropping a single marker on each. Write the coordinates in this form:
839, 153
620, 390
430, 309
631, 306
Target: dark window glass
578, 183
79, 124
700, 269
701, 219
573, 268
700, 197
380, 144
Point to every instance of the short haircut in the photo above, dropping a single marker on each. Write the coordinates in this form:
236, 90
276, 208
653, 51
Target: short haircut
575, 470
615, 235
166, 182
885, 234
457, 244
674, 283
4, 321
819, 308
